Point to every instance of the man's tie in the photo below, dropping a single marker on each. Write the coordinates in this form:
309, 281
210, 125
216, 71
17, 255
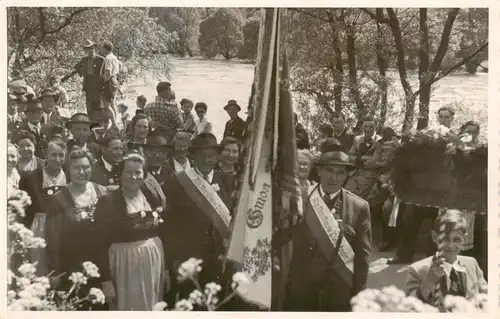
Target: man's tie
455, 286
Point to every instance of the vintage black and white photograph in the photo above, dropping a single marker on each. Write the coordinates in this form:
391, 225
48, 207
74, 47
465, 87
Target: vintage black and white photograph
247, 159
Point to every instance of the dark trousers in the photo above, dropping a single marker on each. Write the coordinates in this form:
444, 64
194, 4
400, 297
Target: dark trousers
480, 249
92, 102
413, 218
391, 235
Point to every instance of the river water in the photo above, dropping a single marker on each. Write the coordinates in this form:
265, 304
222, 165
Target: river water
217, 81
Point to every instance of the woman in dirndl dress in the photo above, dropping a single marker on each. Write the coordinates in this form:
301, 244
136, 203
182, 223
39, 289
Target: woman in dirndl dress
131, 257
70, 225
41, 185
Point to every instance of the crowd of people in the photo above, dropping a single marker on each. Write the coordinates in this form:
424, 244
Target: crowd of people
137, 196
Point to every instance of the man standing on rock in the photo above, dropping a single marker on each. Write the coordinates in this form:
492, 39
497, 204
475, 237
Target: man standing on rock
90, 68
164, 113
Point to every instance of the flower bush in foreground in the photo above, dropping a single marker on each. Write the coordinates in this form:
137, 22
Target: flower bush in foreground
26, 290
206, 298
391, 299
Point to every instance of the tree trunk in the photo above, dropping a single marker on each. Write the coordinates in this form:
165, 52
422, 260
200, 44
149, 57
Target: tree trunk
382, 68
403, 76
337, 67
423, 69
353, 76
189, 51
432, 70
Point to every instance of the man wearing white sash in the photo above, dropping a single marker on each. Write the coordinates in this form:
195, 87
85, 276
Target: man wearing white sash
198, 219
332, 241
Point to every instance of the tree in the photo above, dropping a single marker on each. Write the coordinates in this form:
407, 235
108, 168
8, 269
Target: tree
250, 38
183, 22
221, 33
47, 41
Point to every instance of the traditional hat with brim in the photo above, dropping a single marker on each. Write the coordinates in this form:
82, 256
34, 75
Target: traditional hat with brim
33, 105
232, 103
204, 141
79, 118
88, 44
335, 158
155, 141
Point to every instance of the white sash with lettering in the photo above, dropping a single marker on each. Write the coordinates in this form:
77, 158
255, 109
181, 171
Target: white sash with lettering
326, 230
206, 199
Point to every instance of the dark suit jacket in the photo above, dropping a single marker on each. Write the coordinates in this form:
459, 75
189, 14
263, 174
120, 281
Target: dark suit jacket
168, 169
92, 83
321, 289
101, 176
188, 232
235, 128
32, 184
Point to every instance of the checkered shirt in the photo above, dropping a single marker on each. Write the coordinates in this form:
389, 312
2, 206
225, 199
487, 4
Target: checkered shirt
165, 116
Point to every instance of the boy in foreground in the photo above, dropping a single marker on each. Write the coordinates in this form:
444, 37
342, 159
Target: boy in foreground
446, 273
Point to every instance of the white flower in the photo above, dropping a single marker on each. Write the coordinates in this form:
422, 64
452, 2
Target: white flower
239, 284
78, 278
216, 187
189, 269
44, 281
10, 276
27, 270
160, 306
97, 296
11, 294
91, 269
196, 297
36, 290
21, 282
24, 294
17, 305
183, 305
212, 288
